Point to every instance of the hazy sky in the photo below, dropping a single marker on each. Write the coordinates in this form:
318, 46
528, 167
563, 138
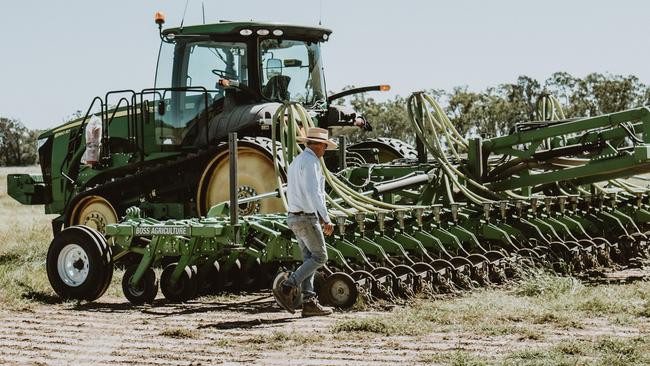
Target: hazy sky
57, 55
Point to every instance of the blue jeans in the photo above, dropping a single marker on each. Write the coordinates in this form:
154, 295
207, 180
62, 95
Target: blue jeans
312, 244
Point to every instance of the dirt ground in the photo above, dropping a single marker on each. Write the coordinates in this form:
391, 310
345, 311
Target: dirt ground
250, 329
110, 332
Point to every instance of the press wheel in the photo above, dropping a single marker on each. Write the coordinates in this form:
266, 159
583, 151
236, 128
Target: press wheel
411, 285
210, 279
390, 284
277, 282
319, 286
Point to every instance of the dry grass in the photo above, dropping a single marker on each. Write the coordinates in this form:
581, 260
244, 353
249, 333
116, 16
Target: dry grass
542, 310
180, 333
25, 233
605, 351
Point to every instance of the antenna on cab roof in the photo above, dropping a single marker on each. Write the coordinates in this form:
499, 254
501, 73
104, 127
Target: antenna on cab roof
320, 13
184, 11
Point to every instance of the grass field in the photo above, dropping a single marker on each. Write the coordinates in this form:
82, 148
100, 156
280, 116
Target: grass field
543, 320
25, 233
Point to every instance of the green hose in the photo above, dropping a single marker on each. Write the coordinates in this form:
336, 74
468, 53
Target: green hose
287, 117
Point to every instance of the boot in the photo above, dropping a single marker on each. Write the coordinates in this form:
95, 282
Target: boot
286, 295
311, 307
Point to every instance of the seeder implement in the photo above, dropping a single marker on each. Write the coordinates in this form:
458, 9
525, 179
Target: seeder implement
454, 219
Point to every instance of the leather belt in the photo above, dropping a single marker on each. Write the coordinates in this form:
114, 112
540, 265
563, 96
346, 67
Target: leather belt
301, 213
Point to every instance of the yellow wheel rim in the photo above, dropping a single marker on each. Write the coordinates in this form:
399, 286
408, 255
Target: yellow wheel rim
256, 175
95, 212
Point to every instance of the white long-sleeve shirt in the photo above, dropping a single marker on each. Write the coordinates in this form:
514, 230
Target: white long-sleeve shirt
306, 185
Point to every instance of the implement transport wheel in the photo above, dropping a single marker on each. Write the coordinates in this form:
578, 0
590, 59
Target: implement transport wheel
341, 290
145, 291
184, 289
93, 211
79, 264
255, 175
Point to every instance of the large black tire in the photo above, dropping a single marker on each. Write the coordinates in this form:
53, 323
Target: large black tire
79, 264
101, 238
145, 292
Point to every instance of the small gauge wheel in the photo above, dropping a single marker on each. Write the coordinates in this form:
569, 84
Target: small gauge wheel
145, 292
184, 289
341, 290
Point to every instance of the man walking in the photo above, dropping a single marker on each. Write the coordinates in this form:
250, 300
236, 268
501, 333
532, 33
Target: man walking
307, 214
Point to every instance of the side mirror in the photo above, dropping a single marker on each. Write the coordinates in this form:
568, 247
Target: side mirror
162, 108
273, 67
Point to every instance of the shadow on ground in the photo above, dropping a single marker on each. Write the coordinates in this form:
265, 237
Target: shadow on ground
162, 308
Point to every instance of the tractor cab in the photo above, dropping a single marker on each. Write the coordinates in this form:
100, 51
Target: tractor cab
198, 66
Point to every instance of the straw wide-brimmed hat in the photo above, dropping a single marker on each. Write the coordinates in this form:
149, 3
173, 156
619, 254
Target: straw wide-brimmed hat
318, 135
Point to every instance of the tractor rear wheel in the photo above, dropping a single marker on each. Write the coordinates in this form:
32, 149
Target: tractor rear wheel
93, 211
79, 264
256, 175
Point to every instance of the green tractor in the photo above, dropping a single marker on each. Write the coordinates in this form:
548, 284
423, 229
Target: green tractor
164, 148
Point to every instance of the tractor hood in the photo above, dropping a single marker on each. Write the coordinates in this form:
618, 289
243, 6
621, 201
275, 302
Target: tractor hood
251, 119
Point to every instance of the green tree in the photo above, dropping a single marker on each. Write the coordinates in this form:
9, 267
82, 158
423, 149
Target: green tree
597, 93
17, 143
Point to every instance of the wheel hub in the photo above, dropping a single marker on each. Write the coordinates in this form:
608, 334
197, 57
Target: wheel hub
136, 290
340, 291
96, 221
73, 265
248, 208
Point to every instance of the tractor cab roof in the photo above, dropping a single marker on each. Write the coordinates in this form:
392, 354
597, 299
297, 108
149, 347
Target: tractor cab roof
239, 29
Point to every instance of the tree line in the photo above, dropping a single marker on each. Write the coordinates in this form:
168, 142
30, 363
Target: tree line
492, 111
